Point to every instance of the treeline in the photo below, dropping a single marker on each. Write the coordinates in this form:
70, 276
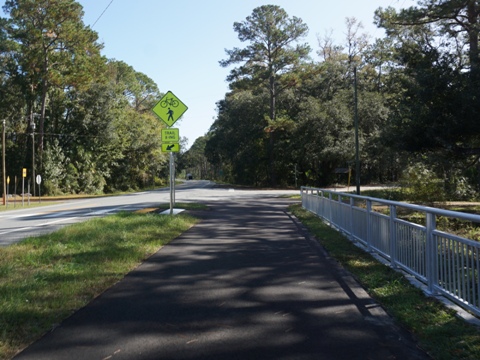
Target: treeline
82, 121
290, 114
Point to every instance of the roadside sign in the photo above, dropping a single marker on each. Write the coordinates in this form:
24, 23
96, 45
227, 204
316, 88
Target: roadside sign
169, 109
170, 135
175, 147
39, 179
24, 172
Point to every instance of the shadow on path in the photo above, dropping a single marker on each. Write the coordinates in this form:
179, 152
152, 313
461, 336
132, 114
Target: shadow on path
243, 284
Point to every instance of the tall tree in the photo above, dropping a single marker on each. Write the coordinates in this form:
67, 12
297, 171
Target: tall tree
56, 49
356, 42
270, 55
194, 160
437, 49
140, 91
451, 17
107, 126
235, 143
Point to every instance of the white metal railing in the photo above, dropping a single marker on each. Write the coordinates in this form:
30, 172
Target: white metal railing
446, 263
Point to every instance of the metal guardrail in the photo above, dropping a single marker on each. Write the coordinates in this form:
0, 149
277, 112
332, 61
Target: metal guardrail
447, 264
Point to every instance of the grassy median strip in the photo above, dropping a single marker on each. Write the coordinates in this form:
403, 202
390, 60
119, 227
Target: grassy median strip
45, 279
443, 335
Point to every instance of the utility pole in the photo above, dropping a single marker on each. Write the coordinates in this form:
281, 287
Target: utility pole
32, 125
357, 157
3, 166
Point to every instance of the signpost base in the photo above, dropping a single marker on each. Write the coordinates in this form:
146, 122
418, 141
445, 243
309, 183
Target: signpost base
175, 212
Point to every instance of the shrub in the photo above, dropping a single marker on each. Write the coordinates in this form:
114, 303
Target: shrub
422, 184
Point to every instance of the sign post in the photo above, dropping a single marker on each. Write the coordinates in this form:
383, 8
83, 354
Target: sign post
169, 109
172, 183
8, 190
24, 175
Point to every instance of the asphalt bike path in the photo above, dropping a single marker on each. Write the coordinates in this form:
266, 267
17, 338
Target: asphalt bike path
246, 283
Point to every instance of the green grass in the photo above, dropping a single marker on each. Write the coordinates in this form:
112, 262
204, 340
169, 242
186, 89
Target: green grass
33, 204
182, 205
45, 279
439, 331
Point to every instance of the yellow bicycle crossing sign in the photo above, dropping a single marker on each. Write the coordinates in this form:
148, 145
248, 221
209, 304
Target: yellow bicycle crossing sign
169, 109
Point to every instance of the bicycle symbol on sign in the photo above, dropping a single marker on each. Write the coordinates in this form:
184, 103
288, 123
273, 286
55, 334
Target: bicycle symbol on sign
169, 102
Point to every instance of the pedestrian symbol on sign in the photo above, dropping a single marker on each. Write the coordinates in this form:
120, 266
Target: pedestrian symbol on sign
170, 115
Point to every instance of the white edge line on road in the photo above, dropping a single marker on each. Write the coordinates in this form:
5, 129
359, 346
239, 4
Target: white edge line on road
39, 225
61, 220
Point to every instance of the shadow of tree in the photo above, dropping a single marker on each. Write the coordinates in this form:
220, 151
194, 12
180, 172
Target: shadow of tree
245, 283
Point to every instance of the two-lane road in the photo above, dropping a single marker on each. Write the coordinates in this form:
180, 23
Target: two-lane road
17, 224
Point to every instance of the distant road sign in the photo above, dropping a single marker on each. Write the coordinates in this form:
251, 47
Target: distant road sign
175, 147
169, 109
170, 135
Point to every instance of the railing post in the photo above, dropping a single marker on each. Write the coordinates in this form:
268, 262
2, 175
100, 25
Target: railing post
318, 204
393, 237
351, 230
369, 226
330, 207
431, 256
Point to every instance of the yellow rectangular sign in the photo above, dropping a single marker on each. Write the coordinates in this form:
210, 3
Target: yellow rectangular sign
170, 135
24, 173
175, 147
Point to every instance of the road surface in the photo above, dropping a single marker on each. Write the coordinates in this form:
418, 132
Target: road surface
17, 224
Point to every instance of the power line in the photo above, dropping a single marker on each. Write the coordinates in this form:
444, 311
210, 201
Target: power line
102, 13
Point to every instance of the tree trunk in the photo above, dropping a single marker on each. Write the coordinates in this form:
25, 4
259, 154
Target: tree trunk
271, 144
41, 128
473, 39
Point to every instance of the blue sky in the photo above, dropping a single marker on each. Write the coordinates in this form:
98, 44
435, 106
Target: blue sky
179, 43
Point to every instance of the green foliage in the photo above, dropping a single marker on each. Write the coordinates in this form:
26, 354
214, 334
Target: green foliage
94, 129
195, 162
422, 184
287, 120
436, 49
44, 279
416, 94
267, 62
55, 50
270, 34
139, 136
462, 188
236, 143
54, 169
308, 126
